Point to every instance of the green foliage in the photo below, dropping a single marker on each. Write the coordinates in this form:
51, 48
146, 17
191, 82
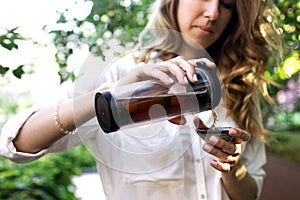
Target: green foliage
107, 19
285, 144
290, 12
48, 178
8, 41
11, 103
287, 119
286, 18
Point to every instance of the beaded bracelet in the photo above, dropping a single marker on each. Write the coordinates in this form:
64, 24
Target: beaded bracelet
57, 120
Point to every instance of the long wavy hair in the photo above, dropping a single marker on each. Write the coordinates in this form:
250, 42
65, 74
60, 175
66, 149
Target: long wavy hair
241, 54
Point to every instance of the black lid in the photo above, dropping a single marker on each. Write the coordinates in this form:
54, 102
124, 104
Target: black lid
104, 101
208, 77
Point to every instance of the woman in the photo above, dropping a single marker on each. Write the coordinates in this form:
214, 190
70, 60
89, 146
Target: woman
177, 169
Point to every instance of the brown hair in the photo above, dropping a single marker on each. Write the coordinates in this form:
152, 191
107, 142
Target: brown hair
241, 54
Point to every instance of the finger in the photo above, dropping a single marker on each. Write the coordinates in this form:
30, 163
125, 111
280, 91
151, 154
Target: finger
156, 73
223, 167
227, 147
211, 149
239, 135
205, 60
146, 72
187, 67
175, 70
219, 153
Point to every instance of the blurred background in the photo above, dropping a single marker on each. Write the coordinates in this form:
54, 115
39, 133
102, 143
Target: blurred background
43, 44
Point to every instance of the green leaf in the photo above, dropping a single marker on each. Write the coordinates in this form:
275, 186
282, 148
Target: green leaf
3, 70
18, 72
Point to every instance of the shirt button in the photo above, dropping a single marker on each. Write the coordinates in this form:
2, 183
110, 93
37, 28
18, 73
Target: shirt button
202, 196
197, 160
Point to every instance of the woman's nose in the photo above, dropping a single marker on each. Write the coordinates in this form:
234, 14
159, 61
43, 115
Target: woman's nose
212, 10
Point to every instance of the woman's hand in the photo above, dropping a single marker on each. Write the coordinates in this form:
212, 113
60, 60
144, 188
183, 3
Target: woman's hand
176, 69
165, 71
227, 153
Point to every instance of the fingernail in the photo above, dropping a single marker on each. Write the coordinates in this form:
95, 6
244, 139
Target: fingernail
213, 162
171, 80
233, 131
185, 79
207, 147
195, 78
213, 139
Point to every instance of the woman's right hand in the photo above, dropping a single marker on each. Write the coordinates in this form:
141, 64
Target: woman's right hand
176, 69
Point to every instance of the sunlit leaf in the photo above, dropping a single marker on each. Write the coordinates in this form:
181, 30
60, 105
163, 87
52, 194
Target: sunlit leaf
292, 64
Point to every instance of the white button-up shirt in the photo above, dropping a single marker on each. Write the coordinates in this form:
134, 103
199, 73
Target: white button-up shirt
157, 161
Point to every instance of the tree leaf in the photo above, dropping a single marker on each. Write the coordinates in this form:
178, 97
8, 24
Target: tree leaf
3, 70
18, 72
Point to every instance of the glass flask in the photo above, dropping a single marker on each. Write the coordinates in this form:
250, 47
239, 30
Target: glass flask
148, 101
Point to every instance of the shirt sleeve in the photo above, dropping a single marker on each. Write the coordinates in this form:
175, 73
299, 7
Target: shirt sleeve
10, 131
254, 158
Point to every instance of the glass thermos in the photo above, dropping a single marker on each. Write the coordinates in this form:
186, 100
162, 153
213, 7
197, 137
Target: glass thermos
148, 101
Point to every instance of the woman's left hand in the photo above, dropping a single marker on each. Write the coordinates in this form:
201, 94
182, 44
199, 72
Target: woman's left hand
227, 153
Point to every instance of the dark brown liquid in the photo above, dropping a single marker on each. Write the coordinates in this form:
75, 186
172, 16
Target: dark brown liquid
170, 105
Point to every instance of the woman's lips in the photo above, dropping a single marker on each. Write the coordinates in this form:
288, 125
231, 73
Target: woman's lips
204, 29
